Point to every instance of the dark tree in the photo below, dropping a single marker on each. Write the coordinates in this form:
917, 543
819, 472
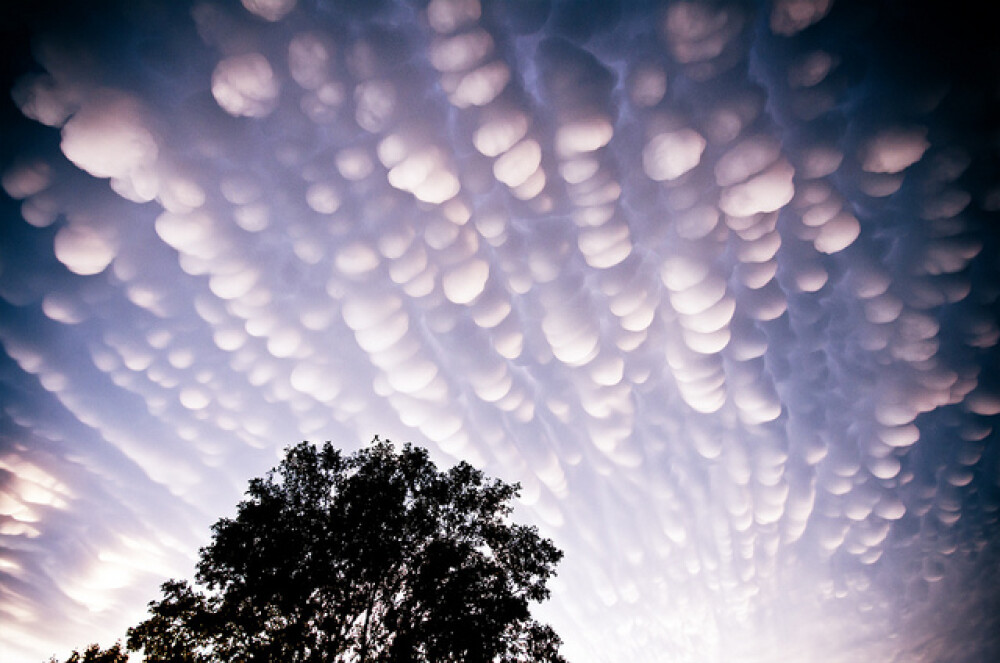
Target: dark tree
375, 556
94, 654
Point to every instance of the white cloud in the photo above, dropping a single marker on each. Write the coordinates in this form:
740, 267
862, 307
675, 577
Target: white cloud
85, 249
667, 156
894, 150
245, 85
737, 354
109, 136
789, 17
270, 10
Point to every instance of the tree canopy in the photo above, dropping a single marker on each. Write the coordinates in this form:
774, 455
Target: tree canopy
94, 654
376, 556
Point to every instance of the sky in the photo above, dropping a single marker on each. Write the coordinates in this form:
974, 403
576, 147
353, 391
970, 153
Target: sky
716, 282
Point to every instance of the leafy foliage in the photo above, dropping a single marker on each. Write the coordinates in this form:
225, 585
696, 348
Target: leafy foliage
94, 654
377, 556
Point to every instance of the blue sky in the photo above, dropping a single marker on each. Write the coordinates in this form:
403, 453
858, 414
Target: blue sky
716, 282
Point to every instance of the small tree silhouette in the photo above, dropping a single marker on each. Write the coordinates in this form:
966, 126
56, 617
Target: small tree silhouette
375, 556
94, 654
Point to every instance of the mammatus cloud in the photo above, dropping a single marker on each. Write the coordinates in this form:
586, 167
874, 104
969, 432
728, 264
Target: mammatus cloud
716, 282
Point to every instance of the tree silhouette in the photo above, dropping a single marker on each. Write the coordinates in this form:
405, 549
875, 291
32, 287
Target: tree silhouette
375, 556
94, 654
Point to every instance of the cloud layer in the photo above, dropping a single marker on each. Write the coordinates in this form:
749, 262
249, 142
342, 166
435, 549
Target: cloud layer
716, 282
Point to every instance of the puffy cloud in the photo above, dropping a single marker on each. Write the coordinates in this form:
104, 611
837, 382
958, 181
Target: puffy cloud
789, 17
894, 150
767, 192
245, 85
85, 249
669, 155
270, 10
109, 136
26, 179
721, 299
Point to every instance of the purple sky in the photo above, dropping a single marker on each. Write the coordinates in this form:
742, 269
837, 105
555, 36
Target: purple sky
717, 282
